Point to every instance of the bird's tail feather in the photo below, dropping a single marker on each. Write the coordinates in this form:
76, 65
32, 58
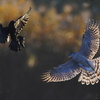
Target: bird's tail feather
14, 46
87, 77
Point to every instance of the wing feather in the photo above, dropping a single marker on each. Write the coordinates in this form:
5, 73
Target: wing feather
4, 32
63, 72
90, 40
21, 22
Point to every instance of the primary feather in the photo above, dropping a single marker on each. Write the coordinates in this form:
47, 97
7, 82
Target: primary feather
21, 22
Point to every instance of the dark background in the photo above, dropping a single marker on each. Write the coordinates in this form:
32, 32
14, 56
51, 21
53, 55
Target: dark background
54, 30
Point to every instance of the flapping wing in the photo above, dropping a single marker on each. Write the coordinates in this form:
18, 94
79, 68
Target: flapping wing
91, 77
90, 40
63, 72
21, 22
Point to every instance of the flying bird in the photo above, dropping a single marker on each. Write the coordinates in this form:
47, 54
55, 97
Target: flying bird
13, 30
82, 62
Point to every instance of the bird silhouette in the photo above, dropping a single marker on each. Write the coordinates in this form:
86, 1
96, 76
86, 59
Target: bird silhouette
13, 30
82, 62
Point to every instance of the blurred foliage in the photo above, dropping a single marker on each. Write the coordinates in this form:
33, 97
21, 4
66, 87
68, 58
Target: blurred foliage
54, 29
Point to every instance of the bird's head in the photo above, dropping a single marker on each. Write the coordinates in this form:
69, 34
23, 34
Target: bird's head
11, 23
72, 54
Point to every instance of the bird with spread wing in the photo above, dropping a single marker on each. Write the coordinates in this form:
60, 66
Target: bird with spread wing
82, 62
13, 30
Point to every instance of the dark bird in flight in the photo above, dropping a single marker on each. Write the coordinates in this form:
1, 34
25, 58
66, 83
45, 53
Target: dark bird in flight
13, 30
82, 62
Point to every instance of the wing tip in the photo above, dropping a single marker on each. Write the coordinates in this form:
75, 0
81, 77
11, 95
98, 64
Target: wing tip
92, 26
46, 77
94, 23
29, 9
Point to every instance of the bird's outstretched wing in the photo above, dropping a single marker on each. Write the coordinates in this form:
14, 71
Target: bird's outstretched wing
21, 22
63, 72
90, 40
91, 77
